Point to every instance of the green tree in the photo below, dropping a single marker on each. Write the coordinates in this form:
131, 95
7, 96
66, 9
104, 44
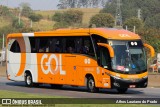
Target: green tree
26, 10
58, 17
6, 30
16, 23
60, 25
131, 22
63, 4
127, 8
102, 20
153, 22
4, 11
151, 36
67, 18
35, 17
73, 16
130, 8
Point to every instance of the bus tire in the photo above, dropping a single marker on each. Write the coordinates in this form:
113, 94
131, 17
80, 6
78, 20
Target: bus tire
122, 90
91, 85
28, 80
56, 86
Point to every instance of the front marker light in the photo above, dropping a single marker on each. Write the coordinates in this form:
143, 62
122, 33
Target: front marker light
145, 77
116, 77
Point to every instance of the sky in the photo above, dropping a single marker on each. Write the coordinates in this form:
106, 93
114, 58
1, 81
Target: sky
34, 4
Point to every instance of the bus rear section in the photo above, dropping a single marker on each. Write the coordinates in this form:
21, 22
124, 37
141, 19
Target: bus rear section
101, 58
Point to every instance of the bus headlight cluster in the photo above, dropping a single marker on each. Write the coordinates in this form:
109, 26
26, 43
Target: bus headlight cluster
134, 43
145, 77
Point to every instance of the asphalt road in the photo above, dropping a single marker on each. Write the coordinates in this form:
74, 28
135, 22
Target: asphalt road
78, 92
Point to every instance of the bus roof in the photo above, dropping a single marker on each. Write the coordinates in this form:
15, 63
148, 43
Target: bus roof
109, 33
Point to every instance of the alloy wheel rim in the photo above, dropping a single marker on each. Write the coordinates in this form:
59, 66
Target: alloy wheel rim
28, 80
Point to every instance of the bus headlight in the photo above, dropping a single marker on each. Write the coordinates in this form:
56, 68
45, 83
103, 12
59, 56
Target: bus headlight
145, 77
116, 77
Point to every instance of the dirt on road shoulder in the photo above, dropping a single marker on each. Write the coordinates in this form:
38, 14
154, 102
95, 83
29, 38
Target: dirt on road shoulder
154, 80
2, 71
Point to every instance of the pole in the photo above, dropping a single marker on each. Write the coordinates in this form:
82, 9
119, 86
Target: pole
31, 23
19, 20
19, 17
2, 53
134, 29
1, 58
126, 27
139, 14
3, 43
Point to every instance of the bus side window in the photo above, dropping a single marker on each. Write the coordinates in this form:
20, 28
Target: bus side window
104, 58
33, 44
97, 39
78, 45
15, 47
57, 46
87, 47
70, 45
44, 44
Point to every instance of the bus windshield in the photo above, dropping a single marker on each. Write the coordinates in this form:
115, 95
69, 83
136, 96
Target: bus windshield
129, 57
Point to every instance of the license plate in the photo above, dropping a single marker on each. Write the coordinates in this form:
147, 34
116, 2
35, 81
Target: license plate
132, 86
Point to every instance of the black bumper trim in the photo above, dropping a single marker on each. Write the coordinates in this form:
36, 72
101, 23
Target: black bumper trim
121, 83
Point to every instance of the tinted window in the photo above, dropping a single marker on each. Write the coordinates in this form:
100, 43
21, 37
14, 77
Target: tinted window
43, 45
33, 45
88, 47
15, 47
98, 39
40, 44
80, 45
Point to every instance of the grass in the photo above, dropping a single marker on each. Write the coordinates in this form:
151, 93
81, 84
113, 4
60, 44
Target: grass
46, 23
13, 94
88, 13
4, 22
43, 25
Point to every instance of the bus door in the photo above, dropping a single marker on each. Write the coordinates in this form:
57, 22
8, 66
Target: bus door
69, 64
105, 62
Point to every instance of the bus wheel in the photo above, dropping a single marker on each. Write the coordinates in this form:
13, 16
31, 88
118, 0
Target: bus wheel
91, 85
28, 80
122, 90
56, 86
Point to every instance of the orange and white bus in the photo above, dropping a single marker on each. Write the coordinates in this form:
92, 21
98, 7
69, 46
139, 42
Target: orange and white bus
91, 57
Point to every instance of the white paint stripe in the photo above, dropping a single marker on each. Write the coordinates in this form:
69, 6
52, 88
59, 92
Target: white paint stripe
27, 44
28, 34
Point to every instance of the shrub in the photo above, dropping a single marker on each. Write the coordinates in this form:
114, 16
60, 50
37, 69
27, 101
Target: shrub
102, 20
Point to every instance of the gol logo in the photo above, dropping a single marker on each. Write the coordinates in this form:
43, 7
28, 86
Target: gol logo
87, 61
124, 35
58, 63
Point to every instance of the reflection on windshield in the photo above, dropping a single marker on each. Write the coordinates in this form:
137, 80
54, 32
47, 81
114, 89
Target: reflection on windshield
129, 57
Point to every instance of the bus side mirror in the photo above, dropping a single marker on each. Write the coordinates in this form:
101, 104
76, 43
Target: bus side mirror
111, 51
152, 52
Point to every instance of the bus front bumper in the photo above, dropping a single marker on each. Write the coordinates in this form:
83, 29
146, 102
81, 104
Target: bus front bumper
129, 83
